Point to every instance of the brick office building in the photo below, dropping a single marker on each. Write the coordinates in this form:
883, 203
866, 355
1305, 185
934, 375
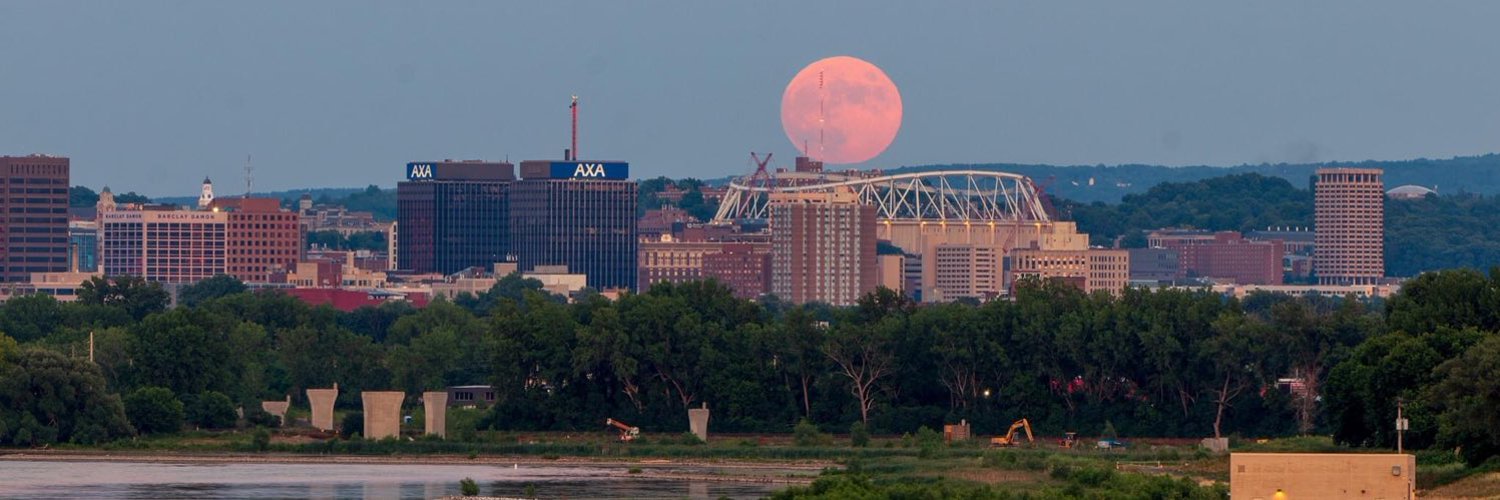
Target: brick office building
34, 224
261, 238
1223, 255
745, 267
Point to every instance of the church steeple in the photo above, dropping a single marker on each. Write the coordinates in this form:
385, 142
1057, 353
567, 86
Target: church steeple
208, 194
106, 201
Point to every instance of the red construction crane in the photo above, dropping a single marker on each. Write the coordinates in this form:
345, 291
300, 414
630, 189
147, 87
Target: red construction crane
627, 433
761, 178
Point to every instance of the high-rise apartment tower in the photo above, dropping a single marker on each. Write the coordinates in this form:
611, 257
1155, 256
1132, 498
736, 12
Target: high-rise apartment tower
1349, 226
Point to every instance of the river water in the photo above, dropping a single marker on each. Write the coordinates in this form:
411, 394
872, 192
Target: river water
41, 479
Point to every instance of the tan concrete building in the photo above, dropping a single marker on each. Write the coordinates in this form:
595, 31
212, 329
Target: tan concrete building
1109, 270
890, 272
822, 247
557, 280
974, 243
1349, 226
168, 246
666, 259
1091, 269
915, 237
1283, 476
955, 271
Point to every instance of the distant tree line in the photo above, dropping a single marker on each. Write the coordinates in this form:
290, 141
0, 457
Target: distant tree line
83, 197
649, 191
1145, 363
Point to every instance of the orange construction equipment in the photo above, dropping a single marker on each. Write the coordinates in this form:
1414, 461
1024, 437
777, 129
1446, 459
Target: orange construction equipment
627, 433
1069, 439
1009, 439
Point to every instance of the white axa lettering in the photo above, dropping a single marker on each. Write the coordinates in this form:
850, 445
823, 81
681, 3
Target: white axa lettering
589, 170
422, 171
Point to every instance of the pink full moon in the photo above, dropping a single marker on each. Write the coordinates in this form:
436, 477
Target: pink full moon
841, 110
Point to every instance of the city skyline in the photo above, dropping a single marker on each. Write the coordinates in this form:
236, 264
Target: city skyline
344, 94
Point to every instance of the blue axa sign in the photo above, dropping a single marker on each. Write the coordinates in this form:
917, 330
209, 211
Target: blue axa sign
420, 171
590, 170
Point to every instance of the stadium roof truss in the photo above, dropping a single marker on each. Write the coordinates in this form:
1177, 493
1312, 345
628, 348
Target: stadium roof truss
938, 195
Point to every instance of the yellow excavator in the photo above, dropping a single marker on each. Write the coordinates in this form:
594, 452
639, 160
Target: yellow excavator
628, 432
1010, 438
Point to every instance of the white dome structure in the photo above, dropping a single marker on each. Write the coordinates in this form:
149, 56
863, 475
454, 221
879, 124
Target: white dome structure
1409, 192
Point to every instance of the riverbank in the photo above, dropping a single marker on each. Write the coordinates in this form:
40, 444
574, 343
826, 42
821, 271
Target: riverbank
790, 472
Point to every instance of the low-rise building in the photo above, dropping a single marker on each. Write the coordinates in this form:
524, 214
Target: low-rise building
963, 271
471, 396
1279, 476
1091, 270
1224, 255
1153, 265
744, 267
1360, 291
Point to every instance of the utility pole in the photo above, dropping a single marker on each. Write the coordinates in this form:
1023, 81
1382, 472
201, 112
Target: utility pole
1401, 425
91, 346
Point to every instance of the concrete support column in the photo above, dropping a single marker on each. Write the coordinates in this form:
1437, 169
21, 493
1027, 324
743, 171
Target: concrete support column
435, 404
321, 401
277, 408
382, 413
698, 422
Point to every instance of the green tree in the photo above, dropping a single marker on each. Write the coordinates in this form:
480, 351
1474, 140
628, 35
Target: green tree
211, 410
1467, 397
185, 350
321, 356
797, 344
606, 351
154, 410
46, 398
30, 317
1235, 359
1455, 299
209, 289
134, 295
863, 356
82, 197
1362, 390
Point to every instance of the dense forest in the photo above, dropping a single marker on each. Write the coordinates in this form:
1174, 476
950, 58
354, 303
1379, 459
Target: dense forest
1240, 202
1146, 363
1427, 234
1111, 183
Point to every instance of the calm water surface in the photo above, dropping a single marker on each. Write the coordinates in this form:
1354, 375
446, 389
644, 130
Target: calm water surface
34, 479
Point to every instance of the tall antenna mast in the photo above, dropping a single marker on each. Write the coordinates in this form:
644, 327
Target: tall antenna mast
249, 176
574, 108
822, 116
